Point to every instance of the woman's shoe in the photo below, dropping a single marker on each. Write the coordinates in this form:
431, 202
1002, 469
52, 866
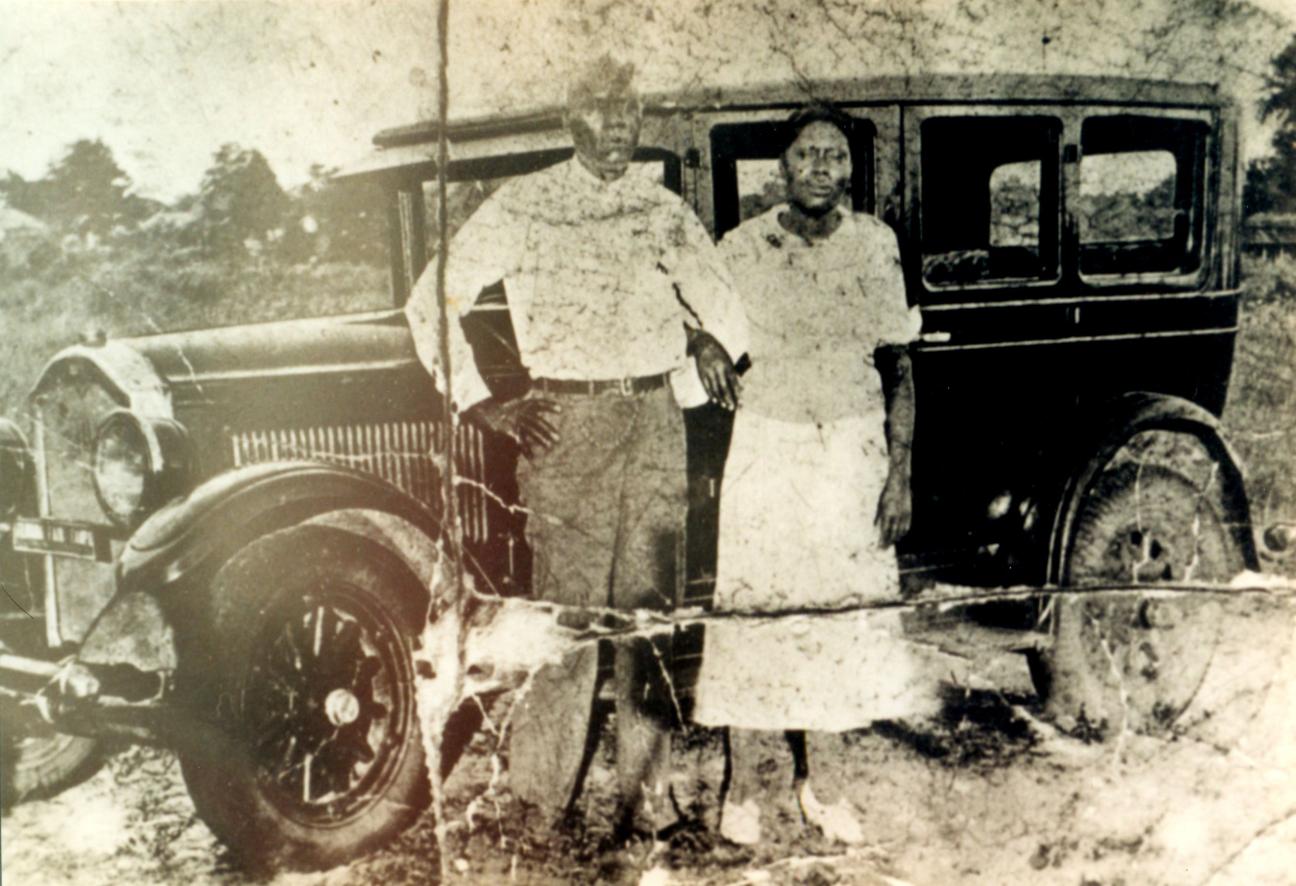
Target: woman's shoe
837, 822
740, 822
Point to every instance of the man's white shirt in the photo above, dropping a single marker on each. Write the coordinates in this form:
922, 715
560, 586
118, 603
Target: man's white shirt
600, 279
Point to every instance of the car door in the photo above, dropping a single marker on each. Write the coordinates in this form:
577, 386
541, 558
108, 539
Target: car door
1063, 254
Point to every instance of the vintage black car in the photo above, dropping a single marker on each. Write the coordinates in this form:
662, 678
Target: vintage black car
228, 540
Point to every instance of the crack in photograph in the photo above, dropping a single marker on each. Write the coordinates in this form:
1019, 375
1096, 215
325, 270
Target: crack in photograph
390, 475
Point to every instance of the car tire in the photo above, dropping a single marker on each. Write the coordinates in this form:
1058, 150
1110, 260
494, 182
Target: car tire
304, 749
41, 765
1133, 661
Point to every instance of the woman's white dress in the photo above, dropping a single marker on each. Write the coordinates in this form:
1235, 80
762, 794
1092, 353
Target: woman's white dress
801, 488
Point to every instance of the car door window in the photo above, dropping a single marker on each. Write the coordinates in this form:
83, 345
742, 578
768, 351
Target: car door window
989, 211
1139, 209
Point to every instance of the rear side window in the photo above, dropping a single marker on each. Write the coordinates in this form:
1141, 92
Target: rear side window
989, 200
1141, 190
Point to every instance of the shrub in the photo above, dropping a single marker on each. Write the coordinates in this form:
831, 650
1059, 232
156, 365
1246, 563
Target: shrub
1269, 279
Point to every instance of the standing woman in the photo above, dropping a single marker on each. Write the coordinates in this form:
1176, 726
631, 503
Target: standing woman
816, 488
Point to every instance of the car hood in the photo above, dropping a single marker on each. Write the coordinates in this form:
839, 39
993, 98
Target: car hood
145, 372
291, 347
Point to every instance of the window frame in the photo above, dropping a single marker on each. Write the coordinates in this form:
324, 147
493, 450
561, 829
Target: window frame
1207, 177
915, 117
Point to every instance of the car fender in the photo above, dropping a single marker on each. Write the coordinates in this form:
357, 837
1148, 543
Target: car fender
164, 564
423, 555
1115, 422
190, 538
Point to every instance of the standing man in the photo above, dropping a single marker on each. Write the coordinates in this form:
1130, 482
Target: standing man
621, 305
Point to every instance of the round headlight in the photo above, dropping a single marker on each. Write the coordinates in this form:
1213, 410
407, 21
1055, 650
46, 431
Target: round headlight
138, 464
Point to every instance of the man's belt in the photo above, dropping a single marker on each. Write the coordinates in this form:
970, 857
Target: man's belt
626, 387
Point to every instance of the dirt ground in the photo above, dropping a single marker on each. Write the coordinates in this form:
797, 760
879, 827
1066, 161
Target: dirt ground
986, 793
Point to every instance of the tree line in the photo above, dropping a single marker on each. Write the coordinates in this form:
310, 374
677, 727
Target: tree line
87, 200
1271, 181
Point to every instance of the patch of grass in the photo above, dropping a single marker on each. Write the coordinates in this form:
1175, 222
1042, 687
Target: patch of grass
137, 293
1260, 417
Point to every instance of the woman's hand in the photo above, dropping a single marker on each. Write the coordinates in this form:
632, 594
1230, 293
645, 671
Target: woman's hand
526, 421
895, 508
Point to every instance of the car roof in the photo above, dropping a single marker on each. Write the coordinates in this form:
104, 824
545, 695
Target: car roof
540, 127
868, 90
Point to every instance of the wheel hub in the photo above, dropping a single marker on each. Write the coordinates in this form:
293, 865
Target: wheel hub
342, 707
1144, 555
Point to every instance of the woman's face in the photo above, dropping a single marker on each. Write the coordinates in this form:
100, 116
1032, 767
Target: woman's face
817, 167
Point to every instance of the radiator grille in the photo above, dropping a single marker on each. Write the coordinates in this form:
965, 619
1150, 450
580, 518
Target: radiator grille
405, 454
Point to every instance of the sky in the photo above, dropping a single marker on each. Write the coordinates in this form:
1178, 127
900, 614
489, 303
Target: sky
165, 82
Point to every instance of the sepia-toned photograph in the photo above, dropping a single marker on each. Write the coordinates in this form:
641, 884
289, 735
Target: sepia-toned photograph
696, 442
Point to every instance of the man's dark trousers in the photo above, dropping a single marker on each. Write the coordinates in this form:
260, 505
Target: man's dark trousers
606, 507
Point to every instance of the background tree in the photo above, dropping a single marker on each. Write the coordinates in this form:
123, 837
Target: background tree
84, 192
239, 200
1271, 181
15, 191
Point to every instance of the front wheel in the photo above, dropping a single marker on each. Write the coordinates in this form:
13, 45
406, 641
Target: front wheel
306, 749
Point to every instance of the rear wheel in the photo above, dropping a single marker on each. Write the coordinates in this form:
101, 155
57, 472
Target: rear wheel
307, 749
1136, 661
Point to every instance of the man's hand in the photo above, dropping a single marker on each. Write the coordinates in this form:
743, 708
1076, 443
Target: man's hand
895, 509
715, 368
526, 421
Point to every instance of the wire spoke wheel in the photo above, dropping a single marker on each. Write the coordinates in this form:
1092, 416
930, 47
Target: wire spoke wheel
326, 702
307, 751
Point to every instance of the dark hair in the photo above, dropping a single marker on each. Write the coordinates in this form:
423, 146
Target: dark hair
818, 112
604, 71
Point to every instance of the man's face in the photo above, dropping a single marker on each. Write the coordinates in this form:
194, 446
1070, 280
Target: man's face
818, 168
604, 124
